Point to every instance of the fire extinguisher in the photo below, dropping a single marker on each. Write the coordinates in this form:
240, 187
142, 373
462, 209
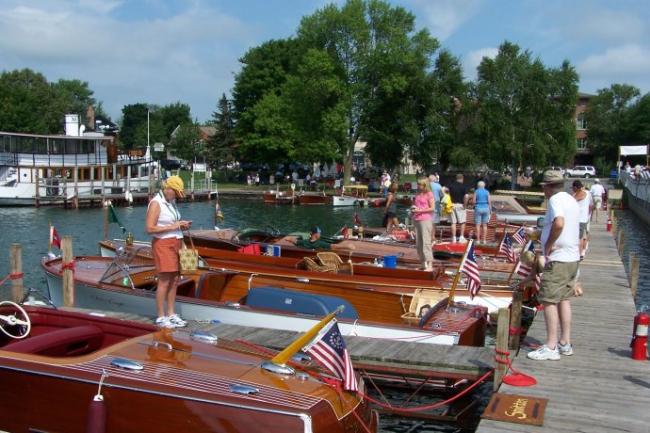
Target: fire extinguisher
609, 224
639, 342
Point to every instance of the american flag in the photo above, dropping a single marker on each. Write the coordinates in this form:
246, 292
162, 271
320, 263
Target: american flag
520, 235
524, 270
506, 248
328, 347
470, 268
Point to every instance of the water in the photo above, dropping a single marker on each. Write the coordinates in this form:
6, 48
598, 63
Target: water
29, 227
637, 239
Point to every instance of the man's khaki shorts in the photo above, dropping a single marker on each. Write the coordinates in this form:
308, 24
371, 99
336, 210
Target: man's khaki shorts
558, 280
458, 214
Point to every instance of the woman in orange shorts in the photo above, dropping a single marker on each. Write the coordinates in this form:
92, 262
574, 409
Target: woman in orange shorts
163, 222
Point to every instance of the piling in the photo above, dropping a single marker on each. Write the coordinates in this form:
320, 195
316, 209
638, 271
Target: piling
621, 242
17, 271
634, 273
503, 327
515, 320
67, 261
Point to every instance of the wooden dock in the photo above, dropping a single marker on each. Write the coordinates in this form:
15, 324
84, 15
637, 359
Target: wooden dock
600, 388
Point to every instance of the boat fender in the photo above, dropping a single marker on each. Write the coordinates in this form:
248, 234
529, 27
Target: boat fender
609, 224
96, 420
639, 343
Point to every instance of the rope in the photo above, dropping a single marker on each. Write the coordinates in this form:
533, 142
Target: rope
70, 265
12, 276
427, 406
515, 331
517, 378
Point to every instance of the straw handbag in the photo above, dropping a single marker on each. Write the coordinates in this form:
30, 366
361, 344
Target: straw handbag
188, 257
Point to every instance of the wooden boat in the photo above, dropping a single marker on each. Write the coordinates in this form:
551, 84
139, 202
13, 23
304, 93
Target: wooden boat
312, 197
279, 197
154, 381
205, 294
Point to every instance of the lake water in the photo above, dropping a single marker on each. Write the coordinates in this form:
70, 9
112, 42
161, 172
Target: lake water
29, 227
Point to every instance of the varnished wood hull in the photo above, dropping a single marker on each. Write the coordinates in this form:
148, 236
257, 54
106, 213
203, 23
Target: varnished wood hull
184, 385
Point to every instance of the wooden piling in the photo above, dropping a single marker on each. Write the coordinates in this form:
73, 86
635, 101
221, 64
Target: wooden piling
515, 321
635, 263
503, 327
37, 191
16, 269
67, 260
621, 242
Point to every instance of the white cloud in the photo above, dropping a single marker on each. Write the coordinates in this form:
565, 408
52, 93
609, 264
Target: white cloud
629, 64
472, 59
445, 16
190, 56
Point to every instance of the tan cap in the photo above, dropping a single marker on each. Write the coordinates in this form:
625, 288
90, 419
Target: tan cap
175, 183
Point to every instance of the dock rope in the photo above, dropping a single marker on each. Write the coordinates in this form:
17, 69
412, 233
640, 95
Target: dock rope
336, 383
11, 276
517, 378
70, 265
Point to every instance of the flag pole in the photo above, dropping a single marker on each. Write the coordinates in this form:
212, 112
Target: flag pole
452, 292
281, 358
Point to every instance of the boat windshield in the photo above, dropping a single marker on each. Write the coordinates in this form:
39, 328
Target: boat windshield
130, 267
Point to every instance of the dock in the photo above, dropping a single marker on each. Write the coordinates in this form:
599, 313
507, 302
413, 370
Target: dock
599, 388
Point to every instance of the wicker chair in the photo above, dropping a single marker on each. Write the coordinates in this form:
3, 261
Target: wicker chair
330, 259
311, 265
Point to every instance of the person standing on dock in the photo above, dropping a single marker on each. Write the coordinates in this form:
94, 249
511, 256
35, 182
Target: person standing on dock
423, 206
561, 247
436, 189
482, 208
597, 191
586, 207
459, 197
163, 222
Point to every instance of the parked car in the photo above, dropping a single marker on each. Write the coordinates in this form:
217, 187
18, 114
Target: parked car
556, 168
581, 171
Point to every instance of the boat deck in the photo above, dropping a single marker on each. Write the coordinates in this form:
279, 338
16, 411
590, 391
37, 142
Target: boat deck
600, 388
376, 355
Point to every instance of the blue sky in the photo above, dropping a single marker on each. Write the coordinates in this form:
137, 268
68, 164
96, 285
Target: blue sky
187, 50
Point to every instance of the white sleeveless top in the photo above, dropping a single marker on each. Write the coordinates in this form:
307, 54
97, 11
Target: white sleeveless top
169, 215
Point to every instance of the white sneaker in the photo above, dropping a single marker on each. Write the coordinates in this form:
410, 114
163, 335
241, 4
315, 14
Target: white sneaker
164, 322
565, 349
462, 239
544, 354
176, 321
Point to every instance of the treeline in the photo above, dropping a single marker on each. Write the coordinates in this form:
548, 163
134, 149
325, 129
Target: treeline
362, 71
30, 104
618, 115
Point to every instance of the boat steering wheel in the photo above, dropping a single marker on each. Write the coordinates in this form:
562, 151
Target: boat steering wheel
24, 325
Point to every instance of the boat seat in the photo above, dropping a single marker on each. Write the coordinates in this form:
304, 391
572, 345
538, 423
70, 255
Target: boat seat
74, 341
311, 265
328, 258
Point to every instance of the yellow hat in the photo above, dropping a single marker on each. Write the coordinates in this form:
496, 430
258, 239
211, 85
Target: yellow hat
175, 183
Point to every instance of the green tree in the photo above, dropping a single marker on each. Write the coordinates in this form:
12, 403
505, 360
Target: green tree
526, 110
186, 142
264, 70
639, 121
221, 147
375, 52
608, 119
73, 96
25, 99
173, 115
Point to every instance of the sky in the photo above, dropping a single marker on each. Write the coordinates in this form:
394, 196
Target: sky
164, 51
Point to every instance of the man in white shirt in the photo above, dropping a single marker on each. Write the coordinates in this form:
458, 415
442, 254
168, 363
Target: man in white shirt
561, 246
597, 191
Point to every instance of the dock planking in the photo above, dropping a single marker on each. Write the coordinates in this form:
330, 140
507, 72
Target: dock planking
600, 388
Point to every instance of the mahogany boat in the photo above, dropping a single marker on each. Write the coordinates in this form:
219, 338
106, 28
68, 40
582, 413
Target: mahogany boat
312, 197
212, 293
279, 197
81, 373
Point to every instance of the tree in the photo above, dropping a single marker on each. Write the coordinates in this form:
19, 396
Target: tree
265, 70
375, 51
220, 148
186, 142
525, 110
608, 119
73, 96
173, 115
162, 121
